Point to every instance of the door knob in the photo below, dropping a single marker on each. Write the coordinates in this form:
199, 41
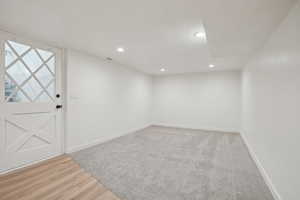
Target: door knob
58, 106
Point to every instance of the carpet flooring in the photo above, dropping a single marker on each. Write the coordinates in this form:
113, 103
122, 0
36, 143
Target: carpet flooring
159, 163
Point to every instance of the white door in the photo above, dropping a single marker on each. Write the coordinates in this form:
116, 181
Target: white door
30, 90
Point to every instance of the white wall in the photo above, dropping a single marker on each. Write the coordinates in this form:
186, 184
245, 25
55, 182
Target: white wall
199, 100
105, 100
271, 106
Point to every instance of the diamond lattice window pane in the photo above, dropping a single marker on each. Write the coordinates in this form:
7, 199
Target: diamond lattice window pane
32, 60
19, 48
32, 88
18, 72
44, 98
44, 76
12, 94
10, 87
10, 56
18, 97
28, 78
51, 64
51, 89
45, 54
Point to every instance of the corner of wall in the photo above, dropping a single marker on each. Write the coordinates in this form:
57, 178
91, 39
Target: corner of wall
261, 169
100, 141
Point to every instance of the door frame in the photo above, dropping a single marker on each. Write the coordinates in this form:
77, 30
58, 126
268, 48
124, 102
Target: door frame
63, 77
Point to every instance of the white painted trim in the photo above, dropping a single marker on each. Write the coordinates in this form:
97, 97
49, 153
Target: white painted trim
197, 128
262, 170
64, 97
100, 141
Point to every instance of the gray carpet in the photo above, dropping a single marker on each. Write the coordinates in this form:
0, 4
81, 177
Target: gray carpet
160, 163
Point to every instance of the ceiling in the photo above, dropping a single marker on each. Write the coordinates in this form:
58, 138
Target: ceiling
155, 33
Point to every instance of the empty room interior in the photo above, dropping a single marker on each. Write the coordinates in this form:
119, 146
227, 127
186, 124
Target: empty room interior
150, 100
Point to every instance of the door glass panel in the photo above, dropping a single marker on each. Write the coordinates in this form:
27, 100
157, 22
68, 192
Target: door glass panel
30, 73
51, 89
18, 97
10, 56
51, 64
10, 88
18, 72
44, 54
32, 60
32, 88
44, 98
44, 76
18, 47
12, 92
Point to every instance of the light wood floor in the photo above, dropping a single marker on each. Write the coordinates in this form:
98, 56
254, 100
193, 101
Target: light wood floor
58, 178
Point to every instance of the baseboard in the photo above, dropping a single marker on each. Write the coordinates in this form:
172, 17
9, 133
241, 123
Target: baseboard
197, 128
3, 172
263, 172
100, 141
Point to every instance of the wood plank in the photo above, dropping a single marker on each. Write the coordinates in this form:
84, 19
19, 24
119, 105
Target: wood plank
22, 173
108, 195
32, 180
92, 193
66, 187
48, 161
60, 178
71, 194
51, 186
28, 179
35, 186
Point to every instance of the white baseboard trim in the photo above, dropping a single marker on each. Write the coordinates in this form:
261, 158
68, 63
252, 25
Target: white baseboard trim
102, 140
6, 171
197, 128
262, 170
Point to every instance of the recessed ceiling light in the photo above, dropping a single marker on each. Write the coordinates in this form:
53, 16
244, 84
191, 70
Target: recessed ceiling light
211, 66
201, 35
120, 49
162, 69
